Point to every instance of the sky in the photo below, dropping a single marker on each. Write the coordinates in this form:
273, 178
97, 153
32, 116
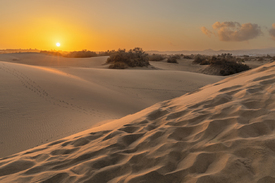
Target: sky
164, 25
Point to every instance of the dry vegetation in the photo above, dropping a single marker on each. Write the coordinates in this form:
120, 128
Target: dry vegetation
54, 53
73, 54
188, 56
173, 59
133, 58
226, 63
81, 54
170, 58
258, 58
156, 57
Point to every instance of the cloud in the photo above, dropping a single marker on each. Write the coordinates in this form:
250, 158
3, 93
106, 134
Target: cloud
206, 31
219, 25
272, 31
234, 31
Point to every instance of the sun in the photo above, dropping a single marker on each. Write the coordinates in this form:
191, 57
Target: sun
57, 44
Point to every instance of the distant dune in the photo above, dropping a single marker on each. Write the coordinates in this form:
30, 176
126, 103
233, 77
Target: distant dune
39, 59
254, 52
223, 132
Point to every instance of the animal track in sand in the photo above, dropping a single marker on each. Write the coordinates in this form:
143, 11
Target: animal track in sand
34, 87
227, 137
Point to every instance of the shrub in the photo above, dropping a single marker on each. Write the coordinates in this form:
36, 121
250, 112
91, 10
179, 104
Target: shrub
172, 59
228, 67
246, 58
81, 54
226, 64
226, 55
118, 65
156, 57
106, 53
187, 57
133, 58
200, 59
205, 62
73, 54
177, 56
55, 53
239, 60
260, 59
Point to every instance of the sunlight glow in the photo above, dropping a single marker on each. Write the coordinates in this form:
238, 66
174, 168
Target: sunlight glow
57, 44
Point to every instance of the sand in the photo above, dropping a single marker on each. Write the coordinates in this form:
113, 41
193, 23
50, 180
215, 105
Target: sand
222, 132
45, 98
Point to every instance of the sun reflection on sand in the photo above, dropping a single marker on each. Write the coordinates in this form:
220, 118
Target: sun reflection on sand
56, 71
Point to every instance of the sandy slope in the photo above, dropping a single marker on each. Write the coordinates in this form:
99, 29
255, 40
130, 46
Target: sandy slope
54, 61
224, 132
42, 104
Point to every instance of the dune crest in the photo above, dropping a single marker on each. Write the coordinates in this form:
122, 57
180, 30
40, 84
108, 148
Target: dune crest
221, 133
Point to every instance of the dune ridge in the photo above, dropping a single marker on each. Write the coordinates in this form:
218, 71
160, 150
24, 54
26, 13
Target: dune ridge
223, 132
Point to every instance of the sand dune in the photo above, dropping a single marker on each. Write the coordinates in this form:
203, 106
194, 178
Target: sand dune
223, 132
43, 104
39, 59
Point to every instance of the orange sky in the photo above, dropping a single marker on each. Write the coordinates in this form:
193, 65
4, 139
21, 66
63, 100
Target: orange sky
153, 25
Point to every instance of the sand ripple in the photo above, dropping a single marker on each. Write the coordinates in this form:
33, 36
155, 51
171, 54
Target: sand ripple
222, 133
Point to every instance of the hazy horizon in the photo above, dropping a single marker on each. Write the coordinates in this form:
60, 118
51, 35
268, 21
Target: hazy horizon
155, 25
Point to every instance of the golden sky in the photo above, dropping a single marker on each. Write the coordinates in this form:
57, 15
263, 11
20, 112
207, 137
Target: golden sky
152, 25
